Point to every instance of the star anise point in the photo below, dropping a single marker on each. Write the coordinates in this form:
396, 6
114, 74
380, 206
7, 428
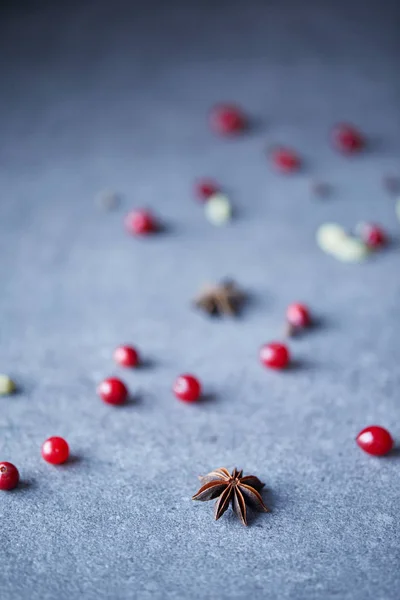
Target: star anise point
231, 488
224, 298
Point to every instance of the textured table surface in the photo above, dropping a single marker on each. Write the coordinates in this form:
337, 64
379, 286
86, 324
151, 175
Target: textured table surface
101, 95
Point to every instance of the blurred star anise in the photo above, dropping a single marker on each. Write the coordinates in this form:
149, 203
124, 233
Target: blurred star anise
235, 488
223, 298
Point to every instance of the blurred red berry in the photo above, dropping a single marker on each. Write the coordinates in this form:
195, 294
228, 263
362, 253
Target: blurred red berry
347, 139
373, 235
112, 391
126, 356
140, 222
274, 355
187, 388
9, 476
375, 440
285, 160
227, 119
298, 316
205, 188
55, 450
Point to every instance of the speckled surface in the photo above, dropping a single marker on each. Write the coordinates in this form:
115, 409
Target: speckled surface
113, 96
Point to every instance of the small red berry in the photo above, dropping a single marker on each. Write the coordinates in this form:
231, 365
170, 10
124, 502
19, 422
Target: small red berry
187, 388
375, 440
285, 160
9, 476
347, 139
227, 119
140, 222
373, 235
298, 316
126, 356
274, 355
206, 188
55, 450
112, 391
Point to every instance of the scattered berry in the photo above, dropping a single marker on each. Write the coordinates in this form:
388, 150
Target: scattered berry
187, 388
206, 188
112, 391
9, 476
227, 119
372, 235
218, 209
297, 317
285, 160
274, 355
140, 222
126, 356
55, 450
347, 139
7, 386
375, 440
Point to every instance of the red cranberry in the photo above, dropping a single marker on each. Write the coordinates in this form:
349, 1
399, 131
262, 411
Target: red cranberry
55, 450
187, 388
375, 440
347, 139
112, 391
373, 235
9, 476
298, 316
274, 355
227, 119
206, 188
126, 356
285, 160
140, 222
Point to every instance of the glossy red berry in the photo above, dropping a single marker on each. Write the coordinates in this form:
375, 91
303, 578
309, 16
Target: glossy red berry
55, 450
298, 316
140, 222
274, 355
187, 388
285, 160
9, 476
112, 391
206, 188
375, 440
227, 119
347, 139
373, 235
126, 356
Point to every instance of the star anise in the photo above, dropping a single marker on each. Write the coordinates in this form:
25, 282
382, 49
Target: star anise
235, 488
223, 298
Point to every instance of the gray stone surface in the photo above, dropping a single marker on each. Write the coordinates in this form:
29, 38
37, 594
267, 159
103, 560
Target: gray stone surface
100, 95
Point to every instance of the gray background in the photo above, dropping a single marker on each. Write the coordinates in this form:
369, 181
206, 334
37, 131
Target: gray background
115, 95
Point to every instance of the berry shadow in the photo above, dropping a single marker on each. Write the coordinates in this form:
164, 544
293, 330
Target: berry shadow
299, 364
374, 144
24, 484
145, 364
207, 398
317, 324
163, 228
73, 459
394, 454
321, 190
132, 400
255, 125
